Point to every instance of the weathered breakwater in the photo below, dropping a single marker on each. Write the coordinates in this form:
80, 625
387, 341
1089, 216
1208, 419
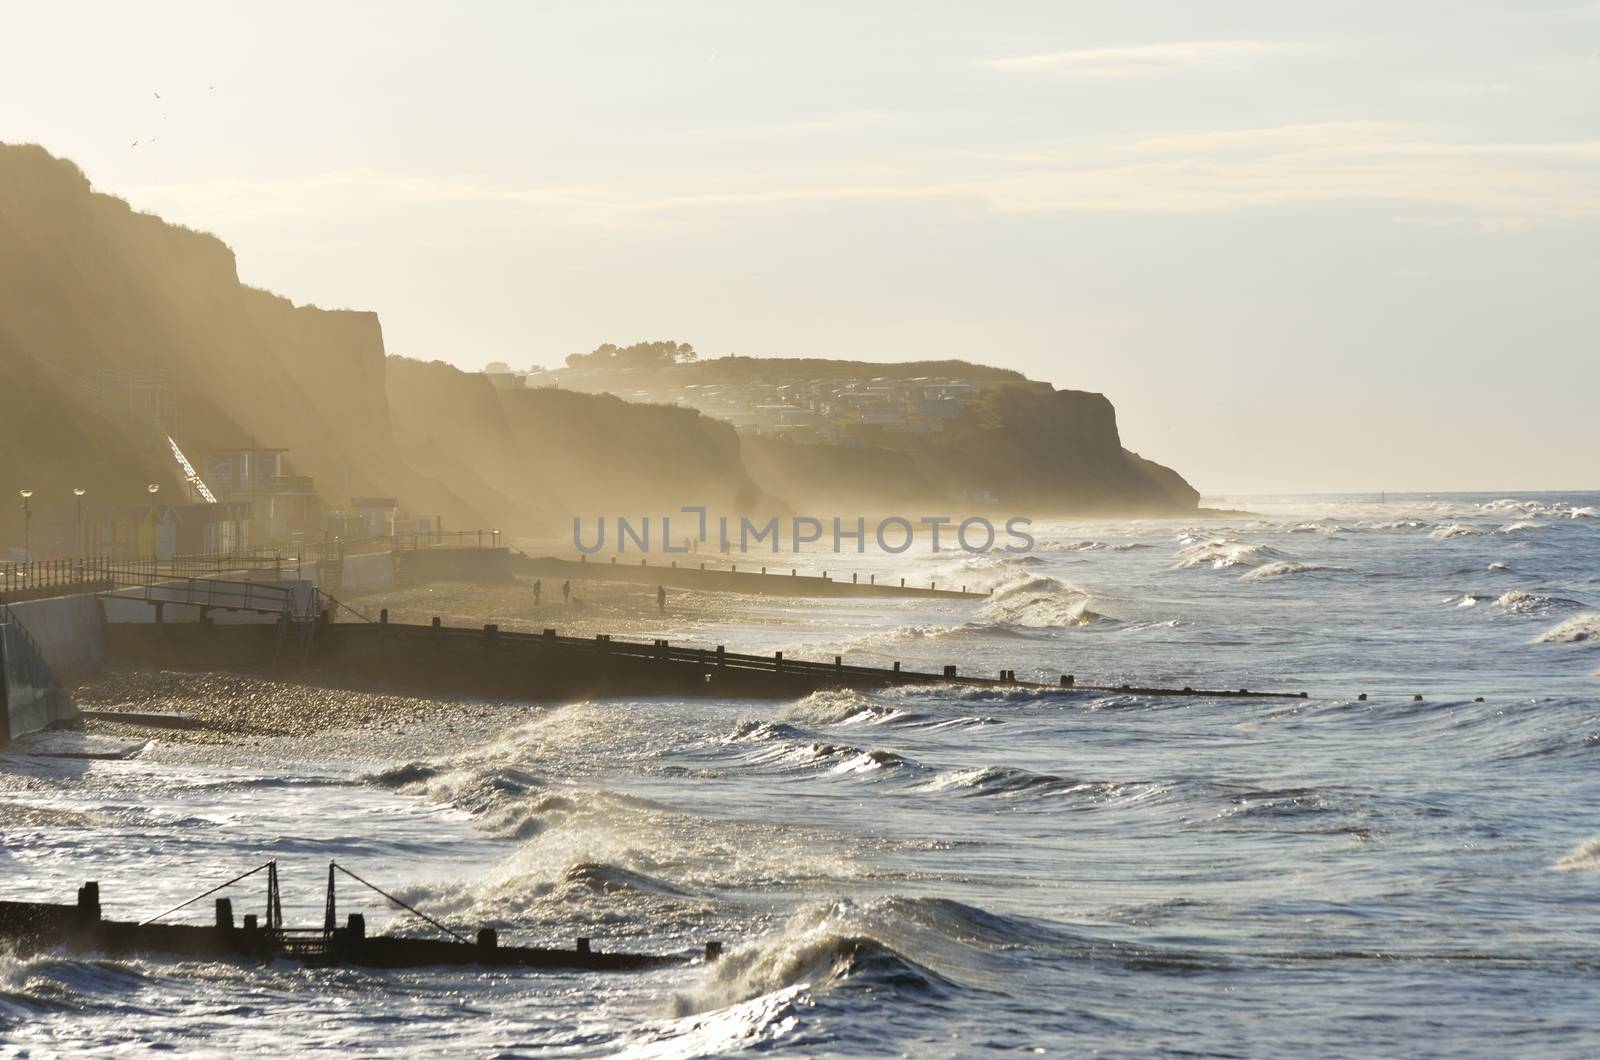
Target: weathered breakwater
755, 579
545, 666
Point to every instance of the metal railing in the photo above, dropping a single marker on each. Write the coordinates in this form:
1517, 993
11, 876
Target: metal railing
209, 592
52, 573
35, 668
446, 539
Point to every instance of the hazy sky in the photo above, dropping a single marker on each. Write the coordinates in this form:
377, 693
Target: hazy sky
1302, 246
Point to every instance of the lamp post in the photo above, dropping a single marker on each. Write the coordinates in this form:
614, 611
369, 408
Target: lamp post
27, 516
78, 492
155, 527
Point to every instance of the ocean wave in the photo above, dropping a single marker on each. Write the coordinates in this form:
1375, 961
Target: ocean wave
1451, 530
1518, 602
1288, 802
840, 707
47, 983
1279, 568
1089, 546
759, 731
836, 758
1395, 524
1521, 526
915, 949
1579, 629
1221, 553
19, 815
1559, 509
1039, 601
1010, 782
1585, 857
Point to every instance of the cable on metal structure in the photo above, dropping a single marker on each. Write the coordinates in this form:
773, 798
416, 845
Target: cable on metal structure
409, 908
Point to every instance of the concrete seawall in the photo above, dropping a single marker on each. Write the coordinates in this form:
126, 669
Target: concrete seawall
67, 630
370, 573
40, 641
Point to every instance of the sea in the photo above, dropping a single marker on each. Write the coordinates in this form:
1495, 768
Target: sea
942, 871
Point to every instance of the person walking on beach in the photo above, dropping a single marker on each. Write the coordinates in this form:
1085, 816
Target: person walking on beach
538, 588
661, 599
566, 591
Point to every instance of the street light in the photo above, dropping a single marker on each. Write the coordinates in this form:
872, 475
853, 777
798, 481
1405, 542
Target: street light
27, 514
78, 492
155, 527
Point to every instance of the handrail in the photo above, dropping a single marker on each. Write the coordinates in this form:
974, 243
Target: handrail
38, 668
213, 592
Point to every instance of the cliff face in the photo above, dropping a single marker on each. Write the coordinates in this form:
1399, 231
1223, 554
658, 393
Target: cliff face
537, 459
1057, 451
87, 284
1040, 452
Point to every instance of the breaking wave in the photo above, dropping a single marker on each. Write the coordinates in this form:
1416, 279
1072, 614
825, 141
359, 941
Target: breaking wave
1279, 568
1518, 602
840, 707
1222, 553
1585, 857
1450, 530
1039, 601
1013, 783
1579, 629
44, 983
1089, 546
915, 949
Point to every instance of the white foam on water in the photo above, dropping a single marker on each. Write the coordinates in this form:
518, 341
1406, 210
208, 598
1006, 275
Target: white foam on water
1280, 568
1579, 629
1585, 857
1039, 601
1222, 553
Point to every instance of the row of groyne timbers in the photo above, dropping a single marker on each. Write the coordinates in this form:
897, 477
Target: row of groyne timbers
175, 604
82, 927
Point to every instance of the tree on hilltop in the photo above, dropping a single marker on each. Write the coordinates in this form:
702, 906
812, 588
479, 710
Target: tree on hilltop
657, 354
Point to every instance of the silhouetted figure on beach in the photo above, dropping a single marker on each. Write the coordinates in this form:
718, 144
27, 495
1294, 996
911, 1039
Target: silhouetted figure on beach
661, 599
566, 592
538, 590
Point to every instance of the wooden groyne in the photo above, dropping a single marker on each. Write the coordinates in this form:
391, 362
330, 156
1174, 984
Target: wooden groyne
29, 927
753, 579
490, 662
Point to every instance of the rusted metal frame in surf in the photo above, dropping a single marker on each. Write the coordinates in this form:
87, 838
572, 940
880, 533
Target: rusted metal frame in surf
403, 905
212, 891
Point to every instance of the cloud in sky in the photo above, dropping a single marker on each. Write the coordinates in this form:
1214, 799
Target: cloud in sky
1142, 60
1411, 171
